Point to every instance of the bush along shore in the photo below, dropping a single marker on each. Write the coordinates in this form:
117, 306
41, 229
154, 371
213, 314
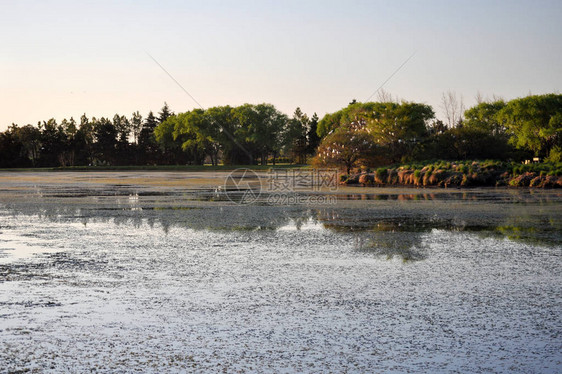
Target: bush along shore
461, 174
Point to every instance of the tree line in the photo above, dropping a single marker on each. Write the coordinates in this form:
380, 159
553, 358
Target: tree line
91, 141
246, 134
370, 134
385, 133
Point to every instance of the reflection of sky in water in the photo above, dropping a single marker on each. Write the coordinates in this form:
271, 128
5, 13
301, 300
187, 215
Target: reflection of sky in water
17, 246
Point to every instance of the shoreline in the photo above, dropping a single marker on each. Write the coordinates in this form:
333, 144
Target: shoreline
209, 179
461, 174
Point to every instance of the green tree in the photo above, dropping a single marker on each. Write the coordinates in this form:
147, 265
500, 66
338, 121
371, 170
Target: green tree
345, 147
164, 113
69, 127
484, 116
12, 151
123, 154
227, 131
206, 134
295, 136
198, 136
329, 123
123, 128
313, 140
53, 143
86, 137
396, 128
171, 143
399, 127
72, 144
136, 126
147, 143
182, 136
147, 130
105, 135
259, 129
268, 131
30, 138
535, 122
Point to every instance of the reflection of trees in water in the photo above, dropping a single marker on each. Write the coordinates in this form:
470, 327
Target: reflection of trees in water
198, 218
545, 230
381, 236
540, 197
351, 220
396, 232
384, 197
388, 244
386, 233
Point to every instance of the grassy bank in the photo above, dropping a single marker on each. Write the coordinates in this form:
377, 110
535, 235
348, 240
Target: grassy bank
186, 168
462, 174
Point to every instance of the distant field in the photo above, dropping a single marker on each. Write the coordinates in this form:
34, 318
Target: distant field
161, 168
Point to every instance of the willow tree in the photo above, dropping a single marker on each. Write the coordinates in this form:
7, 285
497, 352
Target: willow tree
259, 129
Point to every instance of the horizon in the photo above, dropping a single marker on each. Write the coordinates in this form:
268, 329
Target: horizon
317, 56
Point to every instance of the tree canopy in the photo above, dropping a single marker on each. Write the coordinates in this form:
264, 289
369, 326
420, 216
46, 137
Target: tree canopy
239, 135
369, 134
535, 122
395, 128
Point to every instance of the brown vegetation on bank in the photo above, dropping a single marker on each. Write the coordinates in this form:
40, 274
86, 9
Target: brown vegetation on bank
461, 174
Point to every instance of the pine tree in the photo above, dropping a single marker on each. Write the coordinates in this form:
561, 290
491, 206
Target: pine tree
147, 144
164, 113
312, 137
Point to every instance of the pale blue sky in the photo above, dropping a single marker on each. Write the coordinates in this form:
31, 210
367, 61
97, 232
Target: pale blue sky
64, 58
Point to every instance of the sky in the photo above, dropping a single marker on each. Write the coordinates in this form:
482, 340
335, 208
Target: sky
61, 59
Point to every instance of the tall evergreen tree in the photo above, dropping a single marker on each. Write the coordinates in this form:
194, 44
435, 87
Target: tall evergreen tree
147, 130
147, 143
164, 113
106, 140
312, 137
295, 136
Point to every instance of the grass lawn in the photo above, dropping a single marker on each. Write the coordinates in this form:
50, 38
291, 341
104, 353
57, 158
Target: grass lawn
186, 168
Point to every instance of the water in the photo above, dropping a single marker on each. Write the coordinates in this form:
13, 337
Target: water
136, 277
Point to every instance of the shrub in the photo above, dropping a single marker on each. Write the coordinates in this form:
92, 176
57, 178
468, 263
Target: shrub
444, 165
366, 179
353, 179
382, 173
